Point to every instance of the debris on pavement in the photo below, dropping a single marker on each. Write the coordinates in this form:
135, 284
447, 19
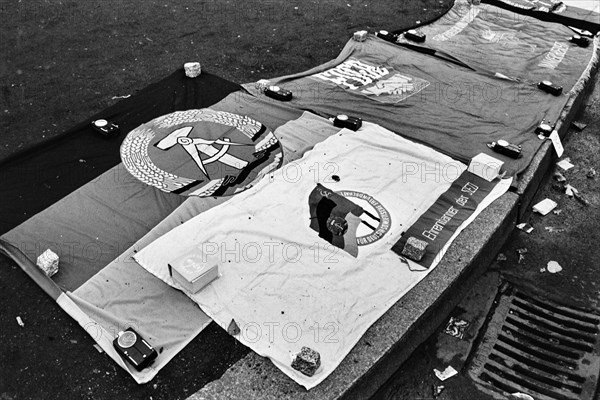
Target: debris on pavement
545, 206
553, 267
580, 126
520, 396
521, 252
456, 327
98, 348
121, 97
73, 341
556, 212
559, 177
570, 190
20, 322
501, 257
552, 229
525, 227
437, 390
591, 174
581, 198
449, 372
565, 164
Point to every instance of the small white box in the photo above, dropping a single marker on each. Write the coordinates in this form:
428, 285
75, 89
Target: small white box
360, 36
485, 166
262, 84
192, 69
192, 271
48, 262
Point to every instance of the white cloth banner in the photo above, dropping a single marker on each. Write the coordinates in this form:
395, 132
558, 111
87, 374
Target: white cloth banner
285, 286
591, 5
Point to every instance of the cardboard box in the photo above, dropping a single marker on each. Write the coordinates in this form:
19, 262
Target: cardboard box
485, 166
192, 271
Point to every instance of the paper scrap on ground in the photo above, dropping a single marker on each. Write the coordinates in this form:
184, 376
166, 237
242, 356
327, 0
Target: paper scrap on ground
449, 372
558, 146
525, 227
579, 125
20, 322
565, 164
520, 396
545, 206
570, 190
553, 267
456, 327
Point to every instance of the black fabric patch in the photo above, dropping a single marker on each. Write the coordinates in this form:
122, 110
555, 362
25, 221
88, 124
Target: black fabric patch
37, 177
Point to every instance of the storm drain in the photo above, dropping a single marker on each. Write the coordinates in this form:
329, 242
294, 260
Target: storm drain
537, 347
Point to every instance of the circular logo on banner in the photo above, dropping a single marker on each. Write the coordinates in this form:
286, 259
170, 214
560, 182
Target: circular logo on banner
201, 152
376, 220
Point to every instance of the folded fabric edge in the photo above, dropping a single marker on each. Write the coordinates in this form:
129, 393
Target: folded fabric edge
69, 303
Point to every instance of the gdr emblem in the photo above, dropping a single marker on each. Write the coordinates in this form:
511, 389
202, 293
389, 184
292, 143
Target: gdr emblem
347, 218
201, 152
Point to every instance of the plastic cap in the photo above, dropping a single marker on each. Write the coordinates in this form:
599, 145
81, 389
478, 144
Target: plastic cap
126, 339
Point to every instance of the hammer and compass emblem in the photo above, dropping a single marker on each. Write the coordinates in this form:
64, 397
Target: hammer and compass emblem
196, 146
201, 152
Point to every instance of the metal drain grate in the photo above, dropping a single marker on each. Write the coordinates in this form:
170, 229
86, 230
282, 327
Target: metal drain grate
534, 346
